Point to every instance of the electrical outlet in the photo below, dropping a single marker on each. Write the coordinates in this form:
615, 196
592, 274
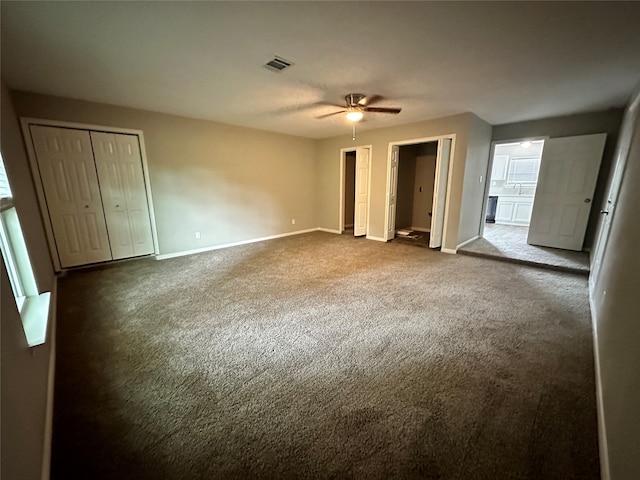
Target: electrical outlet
293, 221
197, 235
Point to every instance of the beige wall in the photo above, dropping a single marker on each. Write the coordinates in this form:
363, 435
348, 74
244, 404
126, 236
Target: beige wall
228, 183
617, 310
328, 170
475, 178
24, 370
607, 122
423, 200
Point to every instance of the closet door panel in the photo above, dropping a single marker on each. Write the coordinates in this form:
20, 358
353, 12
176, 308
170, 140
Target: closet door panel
119, 166
70, 183
135, 193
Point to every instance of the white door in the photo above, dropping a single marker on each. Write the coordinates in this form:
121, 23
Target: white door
392, 193
362, 192
70, 183
124, 197
568, 173
439, 192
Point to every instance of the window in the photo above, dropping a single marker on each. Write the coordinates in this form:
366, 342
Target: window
523, 170
33, 307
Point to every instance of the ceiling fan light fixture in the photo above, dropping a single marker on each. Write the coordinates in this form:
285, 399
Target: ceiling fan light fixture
354, 115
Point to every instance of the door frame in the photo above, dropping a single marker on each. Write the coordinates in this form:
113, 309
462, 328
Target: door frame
487, 183
342, 200
39, 188
414, 141
610, 201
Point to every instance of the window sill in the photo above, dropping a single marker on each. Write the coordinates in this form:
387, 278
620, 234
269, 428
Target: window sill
35, 318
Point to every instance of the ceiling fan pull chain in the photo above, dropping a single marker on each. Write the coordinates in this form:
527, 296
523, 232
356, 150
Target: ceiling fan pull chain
354, 132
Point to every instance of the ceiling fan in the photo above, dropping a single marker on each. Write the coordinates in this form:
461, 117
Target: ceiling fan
357, 104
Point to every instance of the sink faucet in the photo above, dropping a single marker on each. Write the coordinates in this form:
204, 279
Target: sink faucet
519, 185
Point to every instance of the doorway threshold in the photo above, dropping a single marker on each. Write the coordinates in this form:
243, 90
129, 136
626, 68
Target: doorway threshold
418, 239
508, 244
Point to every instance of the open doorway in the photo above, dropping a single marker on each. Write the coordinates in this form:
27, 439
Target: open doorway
417, 185
355, 178
416, 177
349, 191
512, 187
541, 223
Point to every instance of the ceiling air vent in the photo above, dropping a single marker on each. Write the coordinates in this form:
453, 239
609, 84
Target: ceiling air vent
278, 64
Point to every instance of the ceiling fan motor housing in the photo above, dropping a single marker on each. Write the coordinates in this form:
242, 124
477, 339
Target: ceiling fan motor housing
354, 99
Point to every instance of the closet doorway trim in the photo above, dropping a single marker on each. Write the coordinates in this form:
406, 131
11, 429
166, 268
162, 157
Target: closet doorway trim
26, 122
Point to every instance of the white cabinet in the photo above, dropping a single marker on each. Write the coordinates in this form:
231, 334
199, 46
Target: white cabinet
95, 195
514, 209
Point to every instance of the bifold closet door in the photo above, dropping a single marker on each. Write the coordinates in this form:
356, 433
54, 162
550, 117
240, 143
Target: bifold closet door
70, 182
124, 197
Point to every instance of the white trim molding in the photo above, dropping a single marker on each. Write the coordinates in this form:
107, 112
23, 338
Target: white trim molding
603, 446
449, 250
234, 244
48, 420
377, 239
328, 230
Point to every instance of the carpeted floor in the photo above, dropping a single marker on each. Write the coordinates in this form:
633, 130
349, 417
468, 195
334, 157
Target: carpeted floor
324, 356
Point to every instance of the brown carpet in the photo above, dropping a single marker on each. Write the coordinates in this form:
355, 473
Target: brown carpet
324, 356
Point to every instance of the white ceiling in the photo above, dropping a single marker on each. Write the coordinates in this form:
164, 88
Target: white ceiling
505, 62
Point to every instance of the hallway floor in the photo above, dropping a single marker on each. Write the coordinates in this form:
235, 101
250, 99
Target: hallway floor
509, 243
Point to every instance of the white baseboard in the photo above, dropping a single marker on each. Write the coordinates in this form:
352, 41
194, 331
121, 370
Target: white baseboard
602, 430
449, 250
377, 239
349, 225
421, 229
234, 244
473, 239
48, 419
328, 230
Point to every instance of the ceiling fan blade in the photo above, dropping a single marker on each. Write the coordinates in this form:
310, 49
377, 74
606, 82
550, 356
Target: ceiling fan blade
330, 114
373, 99
328, 104
382, 110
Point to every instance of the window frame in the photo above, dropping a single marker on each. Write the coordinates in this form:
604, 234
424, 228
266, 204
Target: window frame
513, 162
32, 305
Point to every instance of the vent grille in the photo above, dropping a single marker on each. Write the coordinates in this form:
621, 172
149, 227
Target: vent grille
278, 64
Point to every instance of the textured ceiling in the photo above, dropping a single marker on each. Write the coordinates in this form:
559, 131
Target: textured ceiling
505, 62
